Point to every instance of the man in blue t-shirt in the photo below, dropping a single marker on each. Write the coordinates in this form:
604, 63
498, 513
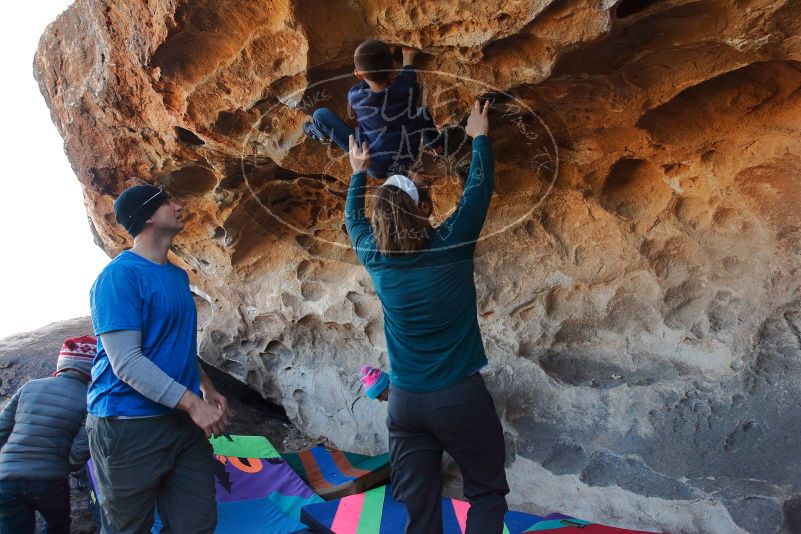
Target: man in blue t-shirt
148, 425
387, 112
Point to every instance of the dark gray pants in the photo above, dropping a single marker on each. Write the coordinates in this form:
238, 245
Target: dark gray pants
461, 420
163, 460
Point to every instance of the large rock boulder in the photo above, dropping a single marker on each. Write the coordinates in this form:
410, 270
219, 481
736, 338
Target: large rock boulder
638, 277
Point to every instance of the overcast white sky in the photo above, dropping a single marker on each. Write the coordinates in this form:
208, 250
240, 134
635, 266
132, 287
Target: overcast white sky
49, 260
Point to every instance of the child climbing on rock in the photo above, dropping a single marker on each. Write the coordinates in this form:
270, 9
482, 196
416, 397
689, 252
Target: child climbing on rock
375, 383
386, 112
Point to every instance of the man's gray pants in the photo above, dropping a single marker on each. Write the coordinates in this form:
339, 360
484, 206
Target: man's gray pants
461, 420
163, 460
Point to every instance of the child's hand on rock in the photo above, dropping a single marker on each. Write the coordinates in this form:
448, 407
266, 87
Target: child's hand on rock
408, 54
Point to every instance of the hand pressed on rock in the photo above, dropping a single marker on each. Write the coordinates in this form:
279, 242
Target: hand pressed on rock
408, 55
478, 122
359, 157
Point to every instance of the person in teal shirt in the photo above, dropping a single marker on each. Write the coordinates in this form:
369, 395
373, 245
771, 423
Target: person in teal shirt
423, 277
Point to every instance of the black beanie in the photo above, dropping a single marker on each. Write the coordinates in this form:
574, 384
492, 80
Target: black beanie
136, 205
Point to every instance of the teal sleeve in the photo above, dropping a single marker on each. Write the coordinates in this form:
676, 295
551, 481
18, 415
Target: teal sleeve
464, 226
356, 223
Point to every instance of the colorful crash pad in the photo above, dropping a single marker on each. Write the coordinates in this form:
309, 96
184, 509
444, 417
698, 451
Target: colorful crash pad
256, 490
253, 482
563, 524
259, 515
376, 512
244, 447
94, 504
333, 473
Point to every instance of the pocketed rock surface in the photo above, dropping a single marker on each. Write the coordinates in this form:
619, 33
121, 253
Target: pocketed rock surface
638, 276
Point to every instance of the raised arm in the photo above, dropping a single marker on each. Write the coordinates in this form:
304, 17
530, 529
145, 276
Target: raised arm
464, 226
405, 87
356, 223
408, 55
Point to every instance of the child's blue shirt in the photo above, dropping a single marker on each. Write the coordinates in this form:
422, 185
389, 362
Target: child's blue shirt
388, 121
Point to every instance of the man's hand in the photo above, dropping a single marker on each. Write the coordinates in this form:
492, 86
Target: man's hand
408, 55
478, 121
359, 157
214, 397
207, 416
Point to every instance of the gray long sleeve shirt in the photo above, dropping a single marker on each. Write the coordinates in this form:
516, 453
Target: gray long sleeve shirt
124, 350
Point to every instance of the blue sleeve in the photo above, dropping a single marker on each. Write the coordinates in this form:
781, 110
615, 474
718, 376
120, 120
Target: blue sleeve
356, 93
408, 73
115, 301
356, 223
464, 225
404, 84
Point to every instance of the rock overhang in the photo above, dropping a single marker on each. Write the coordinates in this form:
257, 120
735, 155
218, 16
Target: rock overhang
638, 277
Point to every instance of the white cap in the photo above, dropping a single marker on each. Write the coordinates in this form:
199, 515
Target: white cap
404, 184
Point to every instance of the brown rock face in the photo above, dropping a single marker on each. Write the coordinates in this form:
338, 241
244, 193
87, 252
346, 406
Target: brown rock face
638, 278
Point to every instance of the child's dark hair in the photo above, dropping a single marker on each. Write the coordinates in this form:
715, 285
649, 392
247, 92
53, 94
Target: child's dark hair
373, 60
